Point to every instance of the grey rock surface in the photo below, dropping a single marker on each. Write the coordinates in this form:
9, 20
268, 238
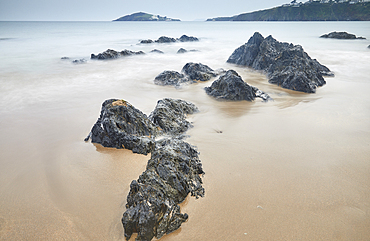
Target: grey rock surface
341, 35
171, 78
286, 65
112, 54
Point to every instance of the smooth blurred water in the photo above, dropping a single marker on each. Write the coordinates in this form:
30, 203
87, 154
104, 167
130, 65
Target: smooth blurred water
304, 158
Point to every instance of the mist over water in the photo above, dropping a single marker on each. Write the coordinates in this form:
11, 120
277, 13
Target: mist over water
296, 168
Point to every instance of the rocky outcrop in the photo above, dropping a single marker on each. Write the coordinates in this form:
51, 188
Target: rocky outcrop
170, 115
230, 86
146, 41
79, 61
181, 51
112, 54
165, 39
286, 65
173, 171
199, 72
152, 204
185, 38
157, 51
172, 78
121, 125
191, 73
341, 35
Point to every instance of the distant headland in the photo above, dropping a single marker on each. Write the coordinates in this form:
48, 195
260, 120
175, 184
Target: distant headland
140, 16
320, 10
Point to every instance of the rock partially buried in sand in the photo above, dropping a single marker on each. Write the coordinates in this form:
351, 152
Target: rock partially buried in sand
286, 65
172, 78
170, 115
192, 72
199, 72
230, 86
112, 54
341, 35
152, 204
121, 125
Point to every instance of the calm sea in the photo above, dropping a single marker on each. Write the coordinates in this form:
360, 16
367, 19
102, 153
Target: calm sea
296, 168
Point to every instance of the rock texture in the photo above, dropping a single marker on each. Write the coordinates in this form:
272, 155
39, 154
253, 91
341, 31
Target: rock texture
170, 115
230, 86
112, 54
121, 125
165, 39
286, 65
171, 78
341, 35
152, 204
191, 72
199, 72
185, 38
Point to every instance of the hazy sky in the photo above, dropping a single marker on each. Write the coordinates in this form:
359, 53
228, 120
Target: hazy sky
106, 10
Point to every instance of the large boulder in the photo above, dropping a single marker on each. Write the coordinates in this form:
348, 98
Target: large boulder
341, 35
173, 172
199, 72
121, 125
171, 78
165, 39
170, 115
286, 65
230, 86
112, 54
185, 38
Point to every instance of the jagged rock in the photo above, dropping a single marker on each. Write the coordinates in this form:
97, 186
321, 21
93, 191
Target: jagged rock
79, 61
341, 35
121, 125
230, 86
112, 54
152, 204
170, 115
181, 51
286, 65
185, 38
157, 51
171, 78
199, 72
146, 41
165, 39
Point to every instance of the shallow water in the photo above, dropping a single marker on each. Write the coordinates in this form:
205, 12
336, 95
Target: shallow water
296, 168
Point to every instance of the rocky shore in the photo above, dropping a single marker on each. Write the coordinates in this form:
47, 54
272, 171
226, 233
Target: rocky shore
285, 64
173, 171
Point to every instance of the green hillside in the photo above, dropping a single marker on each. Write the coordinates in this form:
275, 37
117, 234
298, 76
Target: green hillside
310, 11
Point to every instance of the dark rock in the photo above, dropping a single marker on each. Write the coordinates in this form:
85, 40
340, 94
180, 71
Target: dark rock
112, 54
286, 65
79, 61
156, 51
170, 114
181, 51
199, 72
165, 39
368, 46
171, 78
64, 58
152, 204
185, 38
230, 86
146, 41
121, 125
341, 35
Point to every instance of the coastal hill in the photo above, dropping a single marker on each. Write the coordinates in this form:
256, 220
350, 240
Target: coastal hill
323, 10
140, 16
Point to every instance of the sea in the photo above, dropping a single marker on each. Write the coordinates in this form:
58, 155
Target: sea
295, 168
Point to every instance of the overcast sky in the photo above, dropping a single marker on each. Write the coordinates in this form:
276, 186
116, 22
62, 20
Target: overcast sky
106, 10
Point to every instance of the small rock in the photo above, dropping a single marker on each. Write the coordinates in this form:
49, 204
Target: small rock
341, 35
181, 51
198, 71
185, 38
156, 51
112, 54
79, 61
146, 41
172, 78
165, 39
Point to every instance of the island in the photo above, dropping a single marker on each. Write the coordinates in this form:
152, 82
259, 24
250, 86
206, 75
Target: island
321, 10
141, 16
